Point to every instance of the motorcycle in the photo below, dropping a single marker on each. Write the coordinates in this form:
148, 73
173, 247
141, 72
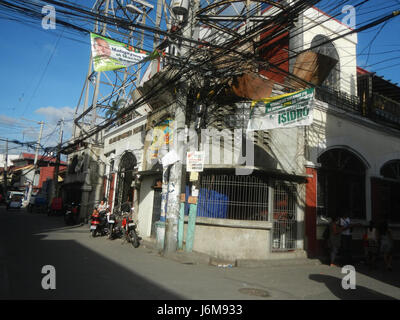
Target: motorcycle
98, 223
71, 214
113, 227
129, 226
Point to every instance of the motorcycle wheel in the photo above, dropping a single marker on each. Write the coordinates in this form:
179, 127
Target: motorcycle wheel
134, 238
94, 232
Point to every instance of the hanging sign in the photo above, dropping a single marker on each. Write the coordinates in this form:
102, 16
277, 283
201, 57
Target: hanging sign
283, 111
109, 54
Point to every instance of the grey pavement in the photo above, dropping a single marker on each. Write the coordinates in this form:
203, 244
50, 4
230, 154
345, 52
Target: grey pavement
97, 268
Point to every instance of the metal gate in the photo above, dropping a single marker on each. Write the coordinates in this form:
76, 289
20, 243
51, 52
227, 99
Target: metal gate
124, 191
284, 217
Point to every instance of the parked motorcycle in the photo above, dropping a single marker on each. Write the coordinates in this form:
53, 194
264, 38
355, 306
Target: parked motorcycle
113, 227
129, 228
71, 214
98, 223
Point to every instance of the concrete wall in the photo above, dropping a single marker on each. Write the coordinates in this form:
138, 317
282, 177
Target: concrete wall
133, 143
235, 240
371, 142
283, 151
315, 23
287, 147
374, 144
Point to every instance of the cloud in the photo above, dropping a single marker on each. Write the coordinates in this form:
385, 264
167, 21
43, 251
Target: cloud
8, 120
52, 116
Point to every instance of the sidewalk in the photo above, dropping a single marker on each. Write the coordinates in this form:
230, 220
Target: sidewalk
301, 278
191, 258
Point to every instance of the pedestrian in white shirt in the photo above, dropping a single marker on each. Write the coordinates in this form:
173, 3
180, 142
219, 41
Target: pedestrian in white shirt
346, 238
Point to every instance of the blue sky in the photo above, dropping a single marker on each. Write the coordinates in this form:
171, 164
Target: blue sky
43, 73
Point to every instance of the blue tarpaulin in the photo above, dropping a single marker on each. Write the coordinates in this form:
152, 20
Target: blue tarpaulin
212, 204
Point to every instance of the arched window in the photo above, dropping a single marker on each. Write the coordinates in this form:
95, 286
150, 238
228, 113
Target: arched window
341, 184
389, 191
328, 49
126, 176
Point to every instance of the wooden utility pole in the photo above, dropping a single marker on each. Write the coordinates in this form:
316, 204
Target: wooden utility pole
57, 168
5, 171
35, 162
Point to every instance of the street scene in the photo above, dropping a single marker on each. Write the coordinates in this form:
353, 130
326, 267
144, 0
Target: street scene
97, 268
200, 150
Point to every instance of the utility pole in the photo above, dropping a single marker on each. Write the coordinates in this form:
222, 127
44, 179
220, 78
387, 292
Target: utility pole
176, 173
35, 161
5, 171
57, 168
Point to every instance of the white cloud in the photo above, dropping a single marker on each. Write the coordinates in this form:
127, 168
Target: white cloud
8, 120
52, 116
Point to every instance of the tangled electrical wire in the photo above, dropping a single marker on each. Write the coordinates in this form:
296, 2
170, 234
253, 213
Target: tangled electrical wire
227, 46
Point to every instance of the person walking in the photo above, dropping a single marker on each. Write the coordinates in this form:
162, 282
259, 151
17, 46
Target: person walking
386, 244
334, 239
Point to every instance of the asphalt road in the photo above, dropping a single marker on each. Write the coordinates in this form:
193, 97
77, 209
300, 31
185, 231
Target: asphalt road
97, 268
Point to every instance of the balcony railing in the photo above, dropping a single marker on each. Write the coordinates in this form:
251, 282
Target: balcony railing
385, 109
379, 109
339, 99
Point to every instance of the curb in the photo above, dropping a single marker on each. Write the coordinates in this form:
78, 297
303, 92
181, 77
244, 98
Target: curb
197, 258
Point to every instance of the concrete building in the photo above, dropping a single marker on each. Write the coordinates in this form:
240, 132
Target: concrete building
291, 180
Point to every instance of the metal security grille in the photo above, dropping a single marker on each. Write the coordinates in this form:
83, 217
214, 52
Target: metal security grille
126, 170
233, 197
284, 217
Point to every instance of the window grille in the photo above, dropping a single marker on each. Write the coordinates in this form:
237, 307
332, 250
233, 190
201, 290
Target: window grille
233, 197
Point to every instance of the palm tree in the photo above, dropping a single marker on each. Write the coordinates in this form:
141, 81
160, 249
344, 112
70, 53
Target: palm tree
114, 108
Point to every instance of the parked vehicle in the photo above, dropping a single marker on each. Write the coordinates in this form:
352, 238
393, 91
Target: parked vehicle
115, 230
15, 203
14, 199
98, 223
129, 228
71, 215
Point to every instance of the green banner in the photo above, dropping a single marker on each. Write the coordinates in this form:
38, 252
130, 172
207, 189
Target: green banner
283, 111
112, 55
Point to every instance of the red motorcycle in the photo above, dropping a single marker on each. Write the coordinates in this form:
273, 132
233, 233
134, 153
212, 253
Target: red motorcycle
98, 223
129, 228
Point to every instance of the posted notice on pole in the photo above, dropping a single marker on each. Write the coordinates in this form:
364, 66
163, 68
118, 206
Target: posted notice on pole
195, 161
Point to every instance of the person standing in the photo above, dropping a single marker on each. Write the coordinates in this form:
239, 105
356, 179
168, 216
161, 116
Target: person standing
372, 244
346, 238
334, 239
386, 244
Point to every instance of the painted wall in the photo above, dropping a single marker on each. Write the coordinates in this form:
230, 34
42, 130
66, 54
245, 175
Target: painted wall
315, 23
235, 243
374, 144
